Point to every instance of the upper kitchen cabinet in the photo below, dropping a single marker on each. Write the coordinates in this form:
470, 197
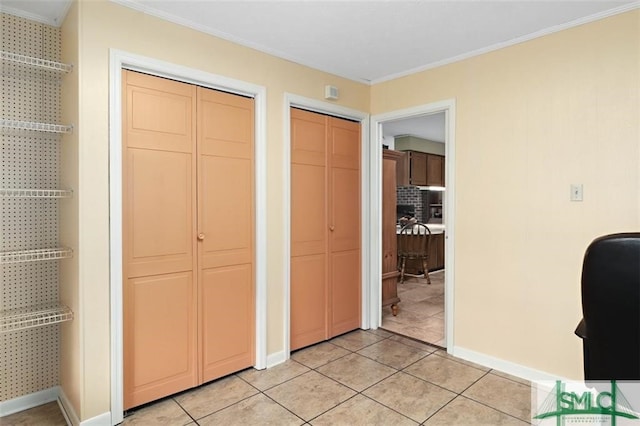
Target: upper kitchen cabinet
435, 170
402, 165
425, 169
417, 168
425, 160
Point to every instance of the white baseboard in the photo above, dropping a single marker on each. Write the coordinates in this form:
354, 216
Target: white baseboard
509, 367
25, 402
103, 419
68, 411
72, 418
276, 358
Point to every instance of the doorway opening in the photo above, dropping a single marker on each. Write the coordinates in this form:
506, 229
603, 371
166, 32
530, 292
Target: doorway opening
422, 142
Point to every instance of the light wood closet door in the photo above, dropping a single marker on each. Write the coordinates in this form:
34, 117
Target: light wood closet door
344, 226
309, 244
325, 227
159, 249
188, 243
226, 232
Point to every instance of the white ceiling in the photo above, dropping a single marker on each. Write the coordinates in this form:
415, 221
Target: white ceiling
366, 41
430, 127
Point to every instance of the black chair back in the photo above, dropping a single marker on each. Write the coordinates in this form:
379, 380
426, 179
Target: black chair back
611, 308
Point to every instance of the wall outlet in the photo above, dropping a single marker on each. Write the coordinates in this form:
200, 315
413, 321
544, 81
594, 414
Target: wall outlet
576, 192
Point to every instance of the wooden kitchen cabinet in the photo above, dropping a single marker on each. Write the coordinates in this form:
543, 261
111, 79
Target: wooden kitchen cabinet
401, 159
436, 252
423, 169
389, 245
435, 170
417, 168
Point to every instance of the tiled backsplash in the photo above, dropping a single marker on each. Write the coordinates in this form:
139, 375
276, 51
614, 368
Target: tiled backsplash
411, 195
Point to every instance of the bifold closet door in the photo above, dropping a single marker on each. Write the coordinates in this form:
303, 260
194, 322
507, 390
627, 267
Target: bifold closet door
159, 248
325, 227
226, 232
188, 236
344, 226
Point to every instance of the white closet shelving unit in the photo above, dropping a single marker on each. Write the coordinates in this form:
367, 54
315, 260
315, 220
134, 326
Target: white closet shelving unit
42, 314
29, 197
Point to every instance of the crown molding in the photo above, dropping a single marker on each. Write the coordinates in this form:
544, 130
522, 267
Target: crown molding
55, 21
512, 42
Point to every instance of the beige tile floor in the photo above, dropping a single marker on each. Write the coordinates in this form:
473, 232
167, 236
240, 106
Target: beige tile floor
420, 311
361, 378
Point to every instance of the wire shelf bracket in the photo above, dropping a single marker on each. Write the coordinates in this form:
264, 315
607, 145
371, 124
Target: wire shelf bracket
35, 255
35, 316
35, 193
35, 62
31, 125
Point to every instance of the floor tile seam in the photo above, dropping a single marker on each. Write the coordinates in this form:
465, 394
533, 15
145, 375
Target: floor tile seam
355, 390
475, 381
220, 409
441, 408
280, 383
193, 419
454, 359
386, 406
494, 408
411, 338
433, 383
418, 360
492, 371
391, 366
330, 361
329, 409
359, 349
267, 396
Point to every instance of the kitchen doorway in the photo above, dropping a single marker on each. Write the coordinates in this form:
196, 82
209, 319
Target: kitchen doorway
425, 311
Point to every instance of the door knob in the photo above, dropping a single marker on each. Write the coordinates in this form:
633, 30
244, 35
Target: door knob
331, 228
200, 236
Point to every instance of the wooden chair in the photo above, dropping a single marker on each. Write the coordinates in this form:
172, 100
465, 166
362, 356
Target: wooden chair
414, 241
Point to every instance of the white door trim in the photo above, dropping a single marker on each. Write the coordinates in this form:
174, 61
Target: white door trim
291, 100
119, 60
449, 108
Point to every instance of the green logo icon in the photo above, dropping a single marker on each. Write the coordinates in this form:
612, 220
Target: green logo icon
588, 406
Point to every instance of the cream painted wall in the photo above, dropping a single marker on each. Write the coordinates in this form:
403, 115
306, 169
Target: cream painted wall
103, 25
70, 341
531, 119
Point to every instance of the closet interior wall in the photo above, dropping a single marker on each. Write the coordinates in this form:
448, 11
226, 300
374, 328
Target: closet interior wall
29, 351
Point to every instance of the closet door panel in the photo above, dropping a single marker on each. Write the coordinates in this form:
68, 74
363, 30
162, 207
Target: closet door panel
345, 209
345, 291
308, 218
159, 291
308, 138
308, 300
159, 113
226, 232
228, 316
345, 219
344, 140
226, 124
226, 205
160, 337
159, 212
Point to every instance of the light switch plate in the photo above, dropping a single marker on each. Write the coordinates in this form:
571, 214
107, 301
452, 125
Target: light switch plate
576, 192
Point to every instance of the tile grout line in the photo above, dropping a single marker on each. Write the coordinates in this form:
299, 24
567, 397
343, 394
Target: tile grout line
361, 393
